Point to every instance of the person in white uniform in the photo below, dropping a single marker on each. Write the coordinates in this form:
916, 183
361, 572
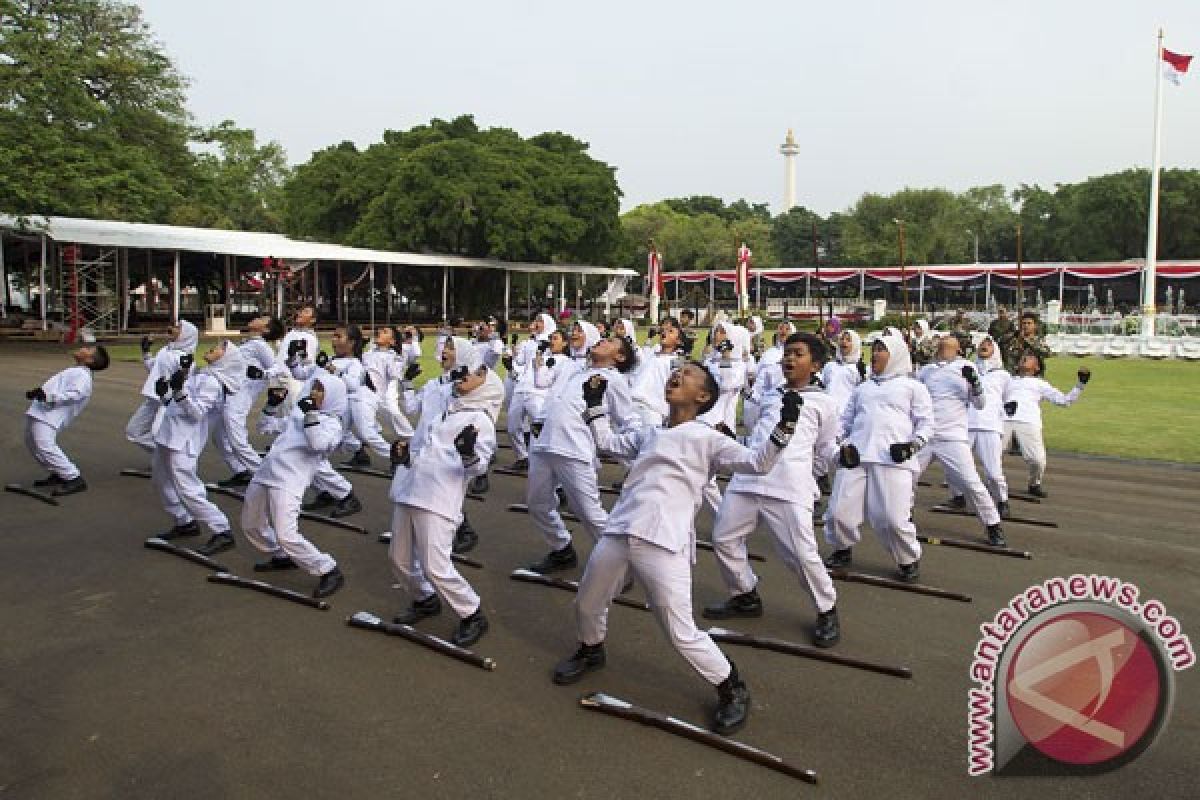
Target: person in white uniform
784, 498
651, 530
234, 440
524, 387
985, 426
1022, 404
888, 420
165, 363
767, 375
954, 386
53, 406
563, 453
191, 404
845, 370
298, 347
428, 491
654, 370
270, 514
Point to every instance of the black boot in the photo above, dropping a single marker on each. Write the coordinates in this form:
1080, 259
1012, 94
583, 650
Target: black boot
520, 465
824, 485
49, 480
561, 494
73, 486
840, 559
556, 561
958, 501
733, 703
470, 629
217, 543
322, 500
346, 506
180, 531
420, 609
996, 536
480, 484
330, 582
748, 604
1002, 509
465, 538
1036, 490
587, 658
828, 631
276, 564
909, 573
243, 478
360, 459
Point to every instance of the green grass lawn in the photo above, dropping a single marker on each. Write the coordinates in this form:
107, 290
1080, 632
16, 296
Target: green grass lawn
1133, 408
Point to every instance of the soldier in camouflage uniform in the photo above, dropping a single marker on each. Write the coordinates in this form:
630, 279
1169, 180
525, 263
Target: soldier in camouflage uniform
1025, 339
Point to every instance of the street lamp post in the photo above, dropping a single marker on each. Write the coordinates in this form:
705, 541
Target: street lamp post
903, 270
976, 235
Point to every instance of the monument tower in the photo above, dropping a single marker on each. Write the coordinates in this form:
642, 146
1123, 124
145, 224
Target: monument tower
789, 149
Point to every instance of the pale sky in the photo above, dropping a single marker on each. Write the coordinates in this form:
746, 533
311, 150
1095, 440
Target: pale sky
695, 98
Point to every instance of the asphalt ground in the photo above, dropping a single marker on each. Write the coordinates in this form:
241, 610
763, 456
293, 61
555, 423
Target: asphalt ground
125, 674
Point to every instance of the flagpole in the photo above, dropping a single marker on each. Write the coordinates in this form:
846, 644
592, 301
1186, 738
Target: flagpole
1148, 287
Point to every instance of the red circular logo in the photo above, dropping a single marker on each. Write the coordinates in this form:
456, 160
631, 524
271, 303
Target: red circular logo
1084, 688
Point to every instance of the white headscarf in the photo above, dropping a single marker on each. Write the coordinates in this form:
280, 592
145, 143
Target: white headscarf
630, 330
548, 327
899, 360
488, 397
740, 338
465, 354
335, 403
922, 326
856, 355
989, 364
591, 335
230, 368
188, 337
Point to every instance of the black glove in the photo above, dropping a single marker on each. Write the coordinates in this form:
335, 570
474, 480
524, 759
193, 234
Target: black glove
970, 374
593, 391
254, 373
790, 412
1084, 375
508, 362
1010, 407
543, 346
862, 369
186, 360
848, 456
38, 394
412, 371
297, 347
399, 454
536, 429
902, 452
458, 373
178, 380
322, 359
464, 443
306, 404
653, 332
725, 347
516, 337
161, 386
725, 429
550, 361
145, 345
276, 396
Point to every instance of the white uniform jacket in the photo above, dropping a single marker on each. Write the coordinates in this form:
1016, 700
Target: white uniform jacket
814, 442
884, 412
165, 362
301, 447
67, 393
564, 432
281, 354
991, 416
952, 396
437, 478
428, 404
184, 426
1029, 391
651, 381
259, 354
840, 378
665, 484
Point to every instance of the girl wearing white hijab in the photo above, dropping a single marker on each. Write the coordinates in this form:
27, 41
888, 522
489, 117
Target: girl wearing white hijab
428, 492
846, 370
164, 364
985, 426
888, 419
767, 376
311, 432
727, 362
523, 359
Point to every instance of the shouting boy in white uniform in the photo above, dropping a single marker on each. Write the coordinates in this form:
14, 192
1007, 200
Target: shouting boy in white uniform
55, 404
652, 528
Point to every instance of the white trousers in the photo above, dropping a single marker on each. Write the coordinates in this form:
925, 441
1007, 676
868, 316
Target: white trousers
140, 429
363, 425
578, 480
270, 521
989, 449
1033, 449
956, 460
792, 528
182, 492
328, 479
41, 440
880, 495
236, 451
391, 405
667, 578
420, 555
515, 422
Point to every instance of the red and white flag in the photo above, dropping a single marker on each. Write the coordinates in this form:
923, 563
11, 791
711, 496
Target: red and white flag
654, 276
743, 270
1174, 65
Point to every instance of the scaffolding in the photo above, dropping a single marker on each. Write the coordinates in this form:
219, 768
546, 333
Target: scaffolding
88, 288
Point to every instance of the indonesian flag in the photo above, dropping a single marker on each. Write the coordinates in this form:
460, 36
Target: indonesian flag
1174, 65
743, 270
654, 277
